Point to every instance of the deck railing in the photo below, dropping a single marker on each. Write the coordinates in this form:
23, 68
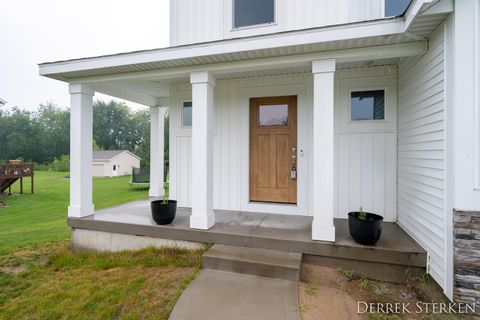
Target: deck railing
12, 171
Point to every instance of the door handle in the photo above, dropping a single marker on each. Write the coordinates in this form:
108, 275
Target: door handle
293, 172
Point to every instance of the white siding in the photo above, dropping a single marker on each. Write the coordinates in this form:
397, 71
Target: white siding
421, 154
366, 151
194, 21
98, 169
371, 184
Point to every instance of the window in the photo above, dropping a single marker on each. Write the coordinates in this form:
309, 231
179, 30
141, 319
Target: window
273, 115
368, 105
253, 12
395, 8
187, 114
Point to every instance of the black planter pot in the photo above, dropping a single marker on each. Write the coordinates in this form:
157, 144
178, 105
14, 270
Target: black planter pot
163, 213
366, 232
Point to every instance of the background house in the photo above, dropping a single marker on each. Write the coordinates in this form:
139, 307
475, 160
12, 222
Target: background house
112, 163
2, 102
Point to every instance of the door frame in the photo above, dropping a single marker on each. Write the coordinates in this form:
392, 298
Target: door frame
245, 94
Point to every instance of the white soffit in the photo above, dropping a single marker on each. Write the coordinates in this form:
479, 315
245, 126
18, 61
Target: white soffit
357, 35
421, 19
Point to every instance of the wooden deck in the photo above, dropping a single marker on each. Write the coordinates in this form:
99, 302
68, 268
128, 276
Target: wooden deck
388, 259
13, 172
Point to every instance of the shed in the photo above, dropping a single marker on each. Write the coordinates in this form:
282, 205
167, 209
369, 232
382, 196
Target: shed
112, 163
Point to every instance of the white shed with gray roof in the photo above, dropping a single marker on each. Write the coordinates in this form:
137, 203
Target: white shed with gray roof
112, 163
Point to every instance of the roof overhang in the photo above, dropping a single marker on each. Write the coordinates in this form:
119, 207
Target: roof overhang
363, 41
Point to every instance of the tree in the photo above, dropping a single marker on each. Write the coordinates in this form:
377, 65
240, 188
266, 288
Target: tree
44, 135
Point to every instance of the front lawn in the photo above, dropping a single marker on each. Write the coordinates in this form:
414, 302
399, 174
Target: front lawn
51, 282
35, 219
40, 277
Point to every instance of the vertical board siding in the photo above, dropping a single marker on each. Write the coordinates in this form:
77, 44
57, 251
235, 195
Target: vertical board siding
366, 152
366, 176
421, 154
194, 21
366, 165
227, 138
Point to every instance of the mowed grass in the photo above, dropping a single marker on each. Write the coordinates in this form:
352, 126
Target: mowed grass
51, 282
35, 219
41, 278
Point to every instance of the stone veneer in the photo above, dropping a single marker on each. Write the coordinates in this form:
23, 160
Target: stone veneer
467, 256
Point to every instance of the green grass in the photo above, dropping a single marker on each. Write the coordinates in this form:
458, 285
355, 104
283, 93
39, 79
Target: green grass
41, 278
51, 282
36, 219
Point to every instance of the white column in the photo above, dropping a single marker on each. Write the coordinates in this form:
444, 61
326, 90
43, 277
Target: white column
323, 150
203, 84
157, 142
81, 135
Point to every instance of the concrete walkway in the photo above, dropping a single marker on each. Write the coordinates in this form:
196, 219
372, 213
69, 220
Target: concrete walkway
224, 295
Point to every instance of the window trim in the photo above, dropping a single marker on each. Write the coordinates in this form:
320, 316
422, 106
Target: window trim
373, 121
182, 117
253, 26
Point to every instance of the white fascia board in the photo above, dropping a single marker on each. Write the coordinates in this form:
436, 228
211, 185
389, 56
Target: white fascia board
302, 37
346, 55
440, 7
416, 8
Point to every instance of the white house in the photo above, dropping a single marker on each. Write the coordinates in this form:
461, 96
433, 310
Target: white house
305, 108
112, 163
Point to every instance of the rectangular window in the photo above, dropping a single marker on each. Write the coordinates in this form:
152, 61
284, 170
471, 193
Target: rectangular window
187, 114
368, 105
253, 12
273, 115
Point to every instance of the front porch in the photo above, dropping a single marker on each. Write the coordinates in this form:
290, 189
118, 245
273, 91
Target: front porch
387, 260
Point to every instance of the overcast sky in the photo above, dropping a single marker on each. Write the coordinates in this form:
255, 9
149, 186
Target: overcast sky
36, 31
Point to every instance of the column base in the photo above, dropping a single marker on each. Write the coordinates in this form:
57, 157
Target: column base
81, 211
203, 222
323, 232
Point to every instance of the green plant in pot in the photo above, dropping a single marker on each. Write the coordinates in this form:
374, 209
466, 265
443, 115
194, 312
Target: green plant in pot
163, 211
365, 227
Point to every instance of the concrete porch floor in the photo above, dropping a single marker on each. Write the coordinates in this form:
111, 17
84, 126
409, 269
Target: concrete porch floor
260, 230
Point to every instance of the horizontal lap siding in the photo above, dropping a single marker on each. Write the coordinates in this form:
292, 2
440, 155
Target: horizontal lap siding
421, 154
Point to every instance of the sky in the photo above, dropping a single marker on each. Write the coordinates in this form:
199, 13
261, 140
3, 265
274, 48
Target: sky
36, 31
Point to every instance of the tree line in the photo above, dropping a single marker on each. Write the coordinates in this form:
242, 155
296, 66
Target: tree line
43, 136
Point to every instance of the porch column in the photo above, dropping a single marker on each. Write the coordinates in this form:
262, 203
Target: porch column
323, 150
81, 135
157, 124
203, 84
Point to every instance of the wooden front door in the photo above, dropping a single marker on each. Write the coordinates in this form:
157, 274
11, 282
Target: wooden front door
273, 149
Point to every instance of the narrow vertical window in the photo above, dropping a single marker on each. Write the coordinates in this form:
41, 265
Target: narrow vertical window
187, 114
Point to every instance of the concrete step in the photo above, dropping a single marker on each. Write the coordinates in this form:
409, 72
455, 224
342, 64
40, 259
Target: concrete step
259, 262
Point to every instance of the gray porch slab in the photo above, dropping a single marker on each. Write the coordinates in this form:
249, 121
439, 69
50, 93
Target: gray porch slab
258, 230
225, 295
